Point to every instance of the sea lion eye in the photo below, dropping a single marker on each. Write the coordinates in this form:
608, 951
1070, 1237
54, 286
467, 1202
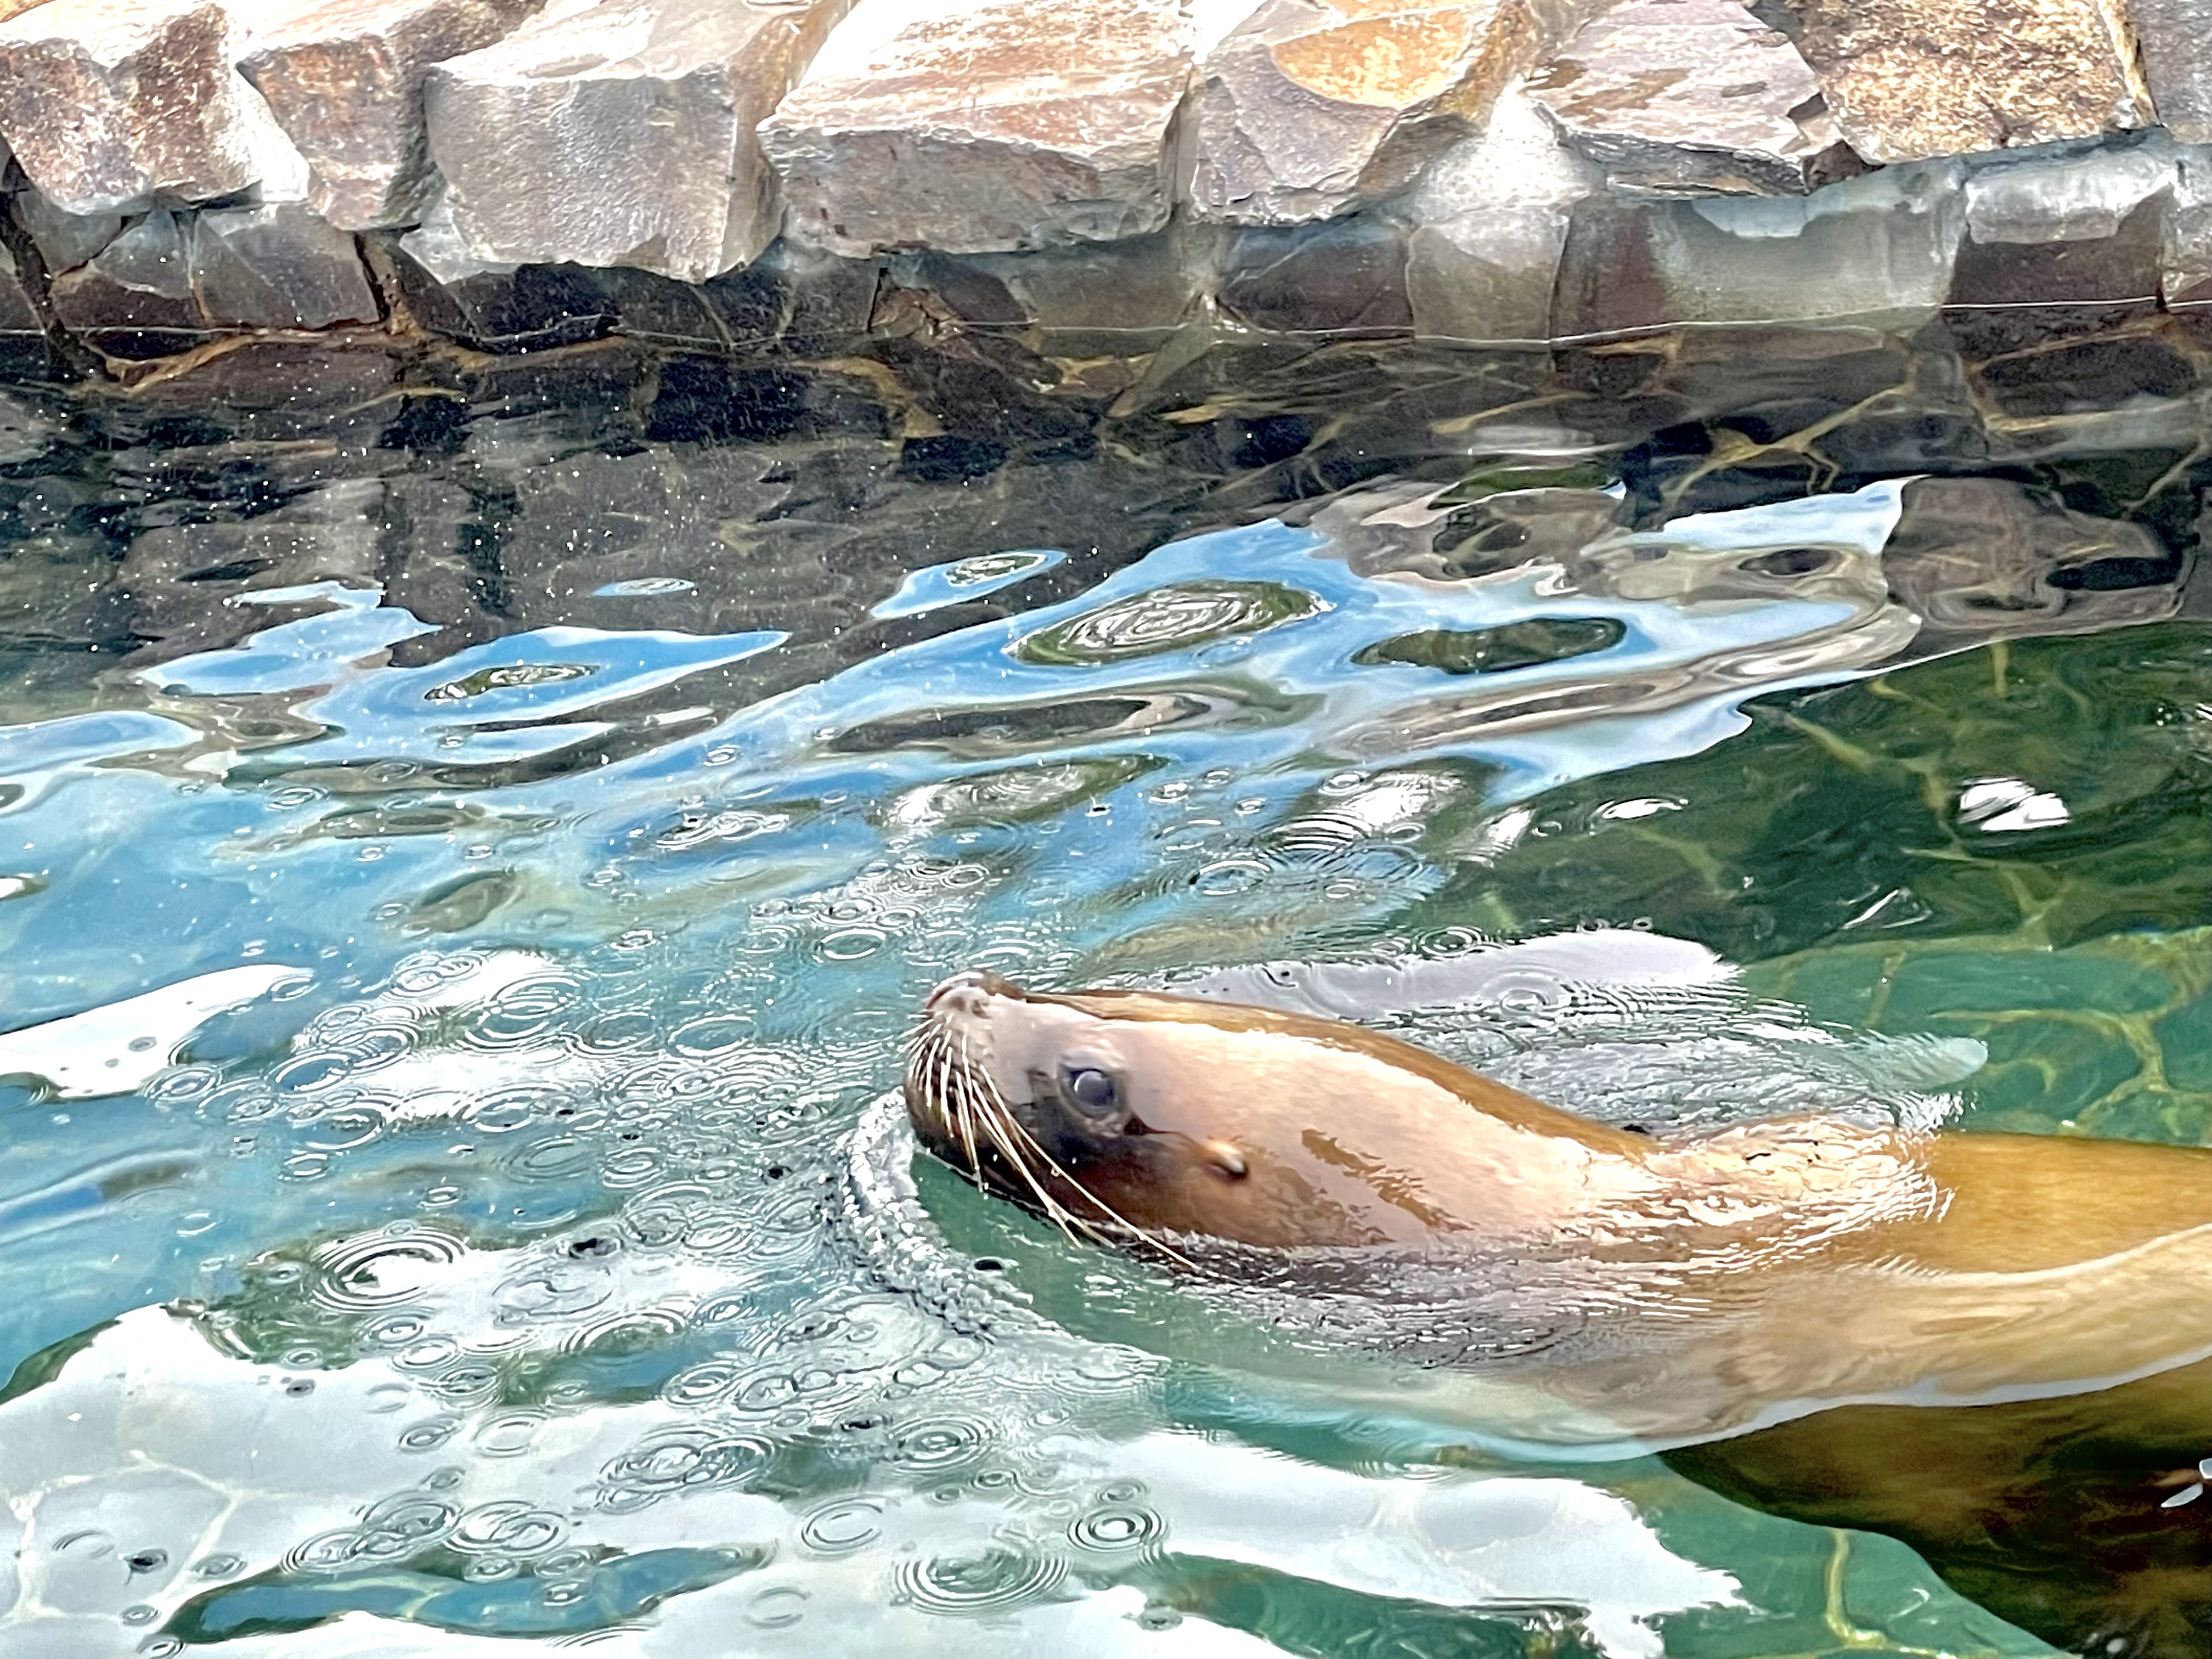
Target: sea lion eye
1093, 1091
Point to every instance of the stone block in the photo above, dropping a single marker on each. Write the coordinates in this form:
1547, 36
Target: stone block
279, 265
1101, 299
1883, 248
985, 126
798, 300
1346, 277
2186, 252
1488, 226
21, 336
110, 102
1693, 97
621, 133
2173, 39
501, 309
2080, 231
1315, 108
2067, 198
344, 78
135, 298
1907, 80
64, 240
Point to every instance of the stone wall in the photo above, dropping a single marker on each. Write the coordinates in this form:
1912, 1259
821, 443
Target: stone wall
1100, 178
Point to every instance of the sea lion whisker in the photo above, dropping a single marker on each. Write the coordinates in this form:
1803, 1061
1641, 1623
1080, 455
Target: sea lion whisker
1055, 1211
1142, 1234
997, 1120
956, 1087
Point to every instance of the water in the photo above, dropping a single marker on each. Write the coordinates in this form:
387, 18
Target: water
472, 854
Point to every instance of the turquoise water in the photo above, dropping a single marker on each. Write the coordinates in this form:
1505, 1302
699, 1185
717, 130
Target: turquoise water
461, 906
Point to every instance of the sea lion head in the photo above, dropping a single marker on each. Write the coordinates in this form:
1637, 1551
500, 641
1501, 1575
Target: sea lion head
1134, 1114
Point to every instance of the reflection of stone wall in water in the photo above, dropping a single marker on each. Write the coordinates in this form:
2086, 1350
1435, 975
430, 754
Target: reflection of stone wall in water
1095, 178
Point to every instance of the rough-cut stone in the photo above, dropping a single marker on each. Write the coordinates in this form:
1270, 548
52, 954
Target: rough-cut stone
1881, 248
18, 317
344, 78
1912, 79
277, 266
1316, 107
2172, 38
64, 240
2067, 198
1489, 224
985, 126
135, 299
2084, 232
2185, 260
621, 133
1346, 277
1693, 97
107, 102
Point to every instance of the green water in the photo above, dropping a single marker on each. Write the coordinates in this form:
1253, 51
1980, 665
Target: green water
460, 894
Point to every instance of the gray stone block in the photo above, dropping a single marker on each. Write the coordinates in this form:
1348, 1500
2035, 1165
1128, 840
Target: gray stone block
985, 126
109, 103
277, 266
1693, 97
1315, 108
2174, 38
621, 133
344, 78
64, 240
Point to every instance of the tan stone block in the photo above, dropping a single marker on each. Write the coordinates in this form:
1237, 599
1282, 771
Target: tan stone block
1910, 79
1313, 107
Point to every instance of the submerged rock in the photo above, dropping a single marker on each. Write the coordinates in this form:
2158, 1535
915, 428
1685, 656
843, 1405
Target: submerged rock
621, 133
1693, 97
23, 339
1883, 248
985, 126
1490, 223
171, 280
1315, 107
344, 78
135, 299
277, 266
1983, 558
2186, 257
107, 102
1913, 79
64, 240
2064, 231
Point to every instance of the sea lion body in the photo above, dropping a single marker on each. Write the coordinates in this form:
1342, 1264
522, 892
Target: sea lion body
1998, 1348
1754, 1272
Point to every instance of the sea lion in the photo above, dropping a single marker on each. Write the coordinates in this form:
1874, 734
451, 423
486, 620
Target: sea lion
1807, 1313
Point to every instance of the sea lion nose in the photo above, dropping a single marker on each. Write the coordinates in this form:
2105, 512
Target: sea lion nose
965, 991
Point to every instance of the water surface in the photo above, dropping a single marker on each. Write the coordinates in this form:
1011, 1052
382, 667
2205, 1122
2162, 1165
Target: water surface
466, 880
